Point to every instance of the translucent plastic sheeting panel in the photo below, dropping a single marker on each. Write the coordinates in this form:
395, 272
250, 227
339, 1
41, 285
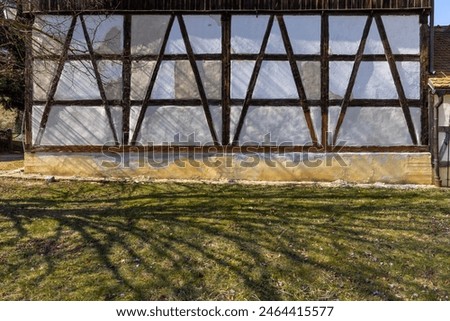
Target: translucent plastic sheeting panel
275, 81
410, 76
372, 126
403, 33
211, 74
275, 126
345, 34
311, 78
374, 45
247, 33
175, 80
43, 74
147, 33
111, 74
141, 73
77, 82
275, 45
175, 125
339, 78
175, 43
49, 34
75, 125
241, 72
374, 81
304, 33
205, 33
105, 33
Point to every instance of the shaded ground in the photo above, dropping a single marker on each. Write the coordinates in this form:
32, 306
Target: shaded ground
100, 241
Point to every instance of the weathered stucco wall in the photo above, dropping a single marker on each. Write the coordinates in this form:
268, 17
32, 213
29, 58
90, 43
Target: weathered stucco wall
407, 168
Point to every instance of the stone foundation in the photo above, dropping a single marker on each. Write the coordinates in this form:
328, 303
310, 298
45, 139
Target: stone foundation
389, 168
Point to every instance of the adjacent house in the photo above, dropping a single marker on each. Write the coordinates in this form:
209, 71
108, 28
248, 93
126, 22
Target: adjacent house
256, 90
440, 106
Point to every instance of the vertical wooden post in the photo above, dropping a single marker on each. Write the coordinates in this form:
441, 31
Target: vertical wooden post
424, 66
126, 78
226, 78
325, 77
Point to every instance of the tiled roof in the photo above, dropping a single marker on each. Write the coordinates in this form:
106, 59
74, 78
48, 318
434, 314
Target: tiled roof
441, 79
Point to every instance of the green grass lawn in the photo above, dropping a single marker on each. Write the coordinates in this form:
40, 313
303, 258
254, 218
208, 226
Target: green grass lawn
124, 241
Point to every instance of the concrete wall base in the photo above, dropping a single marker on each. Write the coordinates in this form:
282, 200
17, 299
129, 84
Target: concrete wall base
389, 168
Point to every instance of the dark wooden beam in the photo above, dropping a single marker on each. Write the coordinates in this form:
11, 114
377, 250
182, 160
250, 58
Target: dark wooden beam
354, 74
152, 82
226, 78
325, 77
126, 80
298, 79
397, 79
229, 149
55, 81
252, 82
198, 79
99, 79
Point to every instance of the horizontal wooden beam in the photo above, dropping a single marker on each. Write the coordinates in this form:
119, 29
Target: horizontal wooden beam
229, 149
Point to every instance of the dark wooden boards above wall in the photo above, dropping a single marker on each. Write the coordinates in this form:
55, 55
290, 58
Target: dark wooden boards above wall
220, 5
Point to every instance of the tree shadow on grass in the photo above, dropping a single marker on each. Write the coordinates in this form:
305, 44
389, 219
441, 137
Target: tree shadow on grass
194, 242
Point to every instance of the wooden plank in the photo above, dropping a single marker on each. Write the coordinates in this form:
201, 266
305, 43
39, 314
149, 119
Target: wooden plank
325, 77
424, 67
351, 84
198, 79
55, 82
298, 80
230, 149
99, 80
152, 82
226, 78
252, 82
397, 79
126, 79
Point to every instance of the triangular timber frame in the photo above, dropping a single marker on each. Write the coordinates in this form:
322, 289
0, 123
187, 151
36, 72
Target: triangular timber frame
230, 140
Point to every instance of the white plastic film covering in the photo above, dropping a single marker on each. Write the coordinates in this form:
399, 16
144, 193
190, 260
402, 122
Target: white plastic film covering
105, 33
275, 45
173, 125
141, 73
175, 43
241, 72
43, 74
403, 33
111, 74
340, 73
410, 77
205, 33
373, 126
275, 80
75, 125
374, 45
175, 80
345, 34
49, 34
305, 34
311, 78
211, 74
77, 82
374, 81
147, 33
247, 33
275, 126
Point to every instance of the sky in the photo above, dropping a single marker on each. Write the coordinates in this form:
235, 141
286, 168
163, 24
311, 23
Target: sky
442, 12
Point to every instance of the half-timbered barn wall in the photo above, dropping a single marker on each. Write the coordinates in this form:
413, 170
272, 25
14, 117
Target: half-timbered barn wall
286, 77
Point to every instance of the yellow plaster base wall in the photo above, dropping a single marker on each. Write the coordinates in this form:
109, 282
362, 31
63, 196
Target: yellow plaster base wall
390, 168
